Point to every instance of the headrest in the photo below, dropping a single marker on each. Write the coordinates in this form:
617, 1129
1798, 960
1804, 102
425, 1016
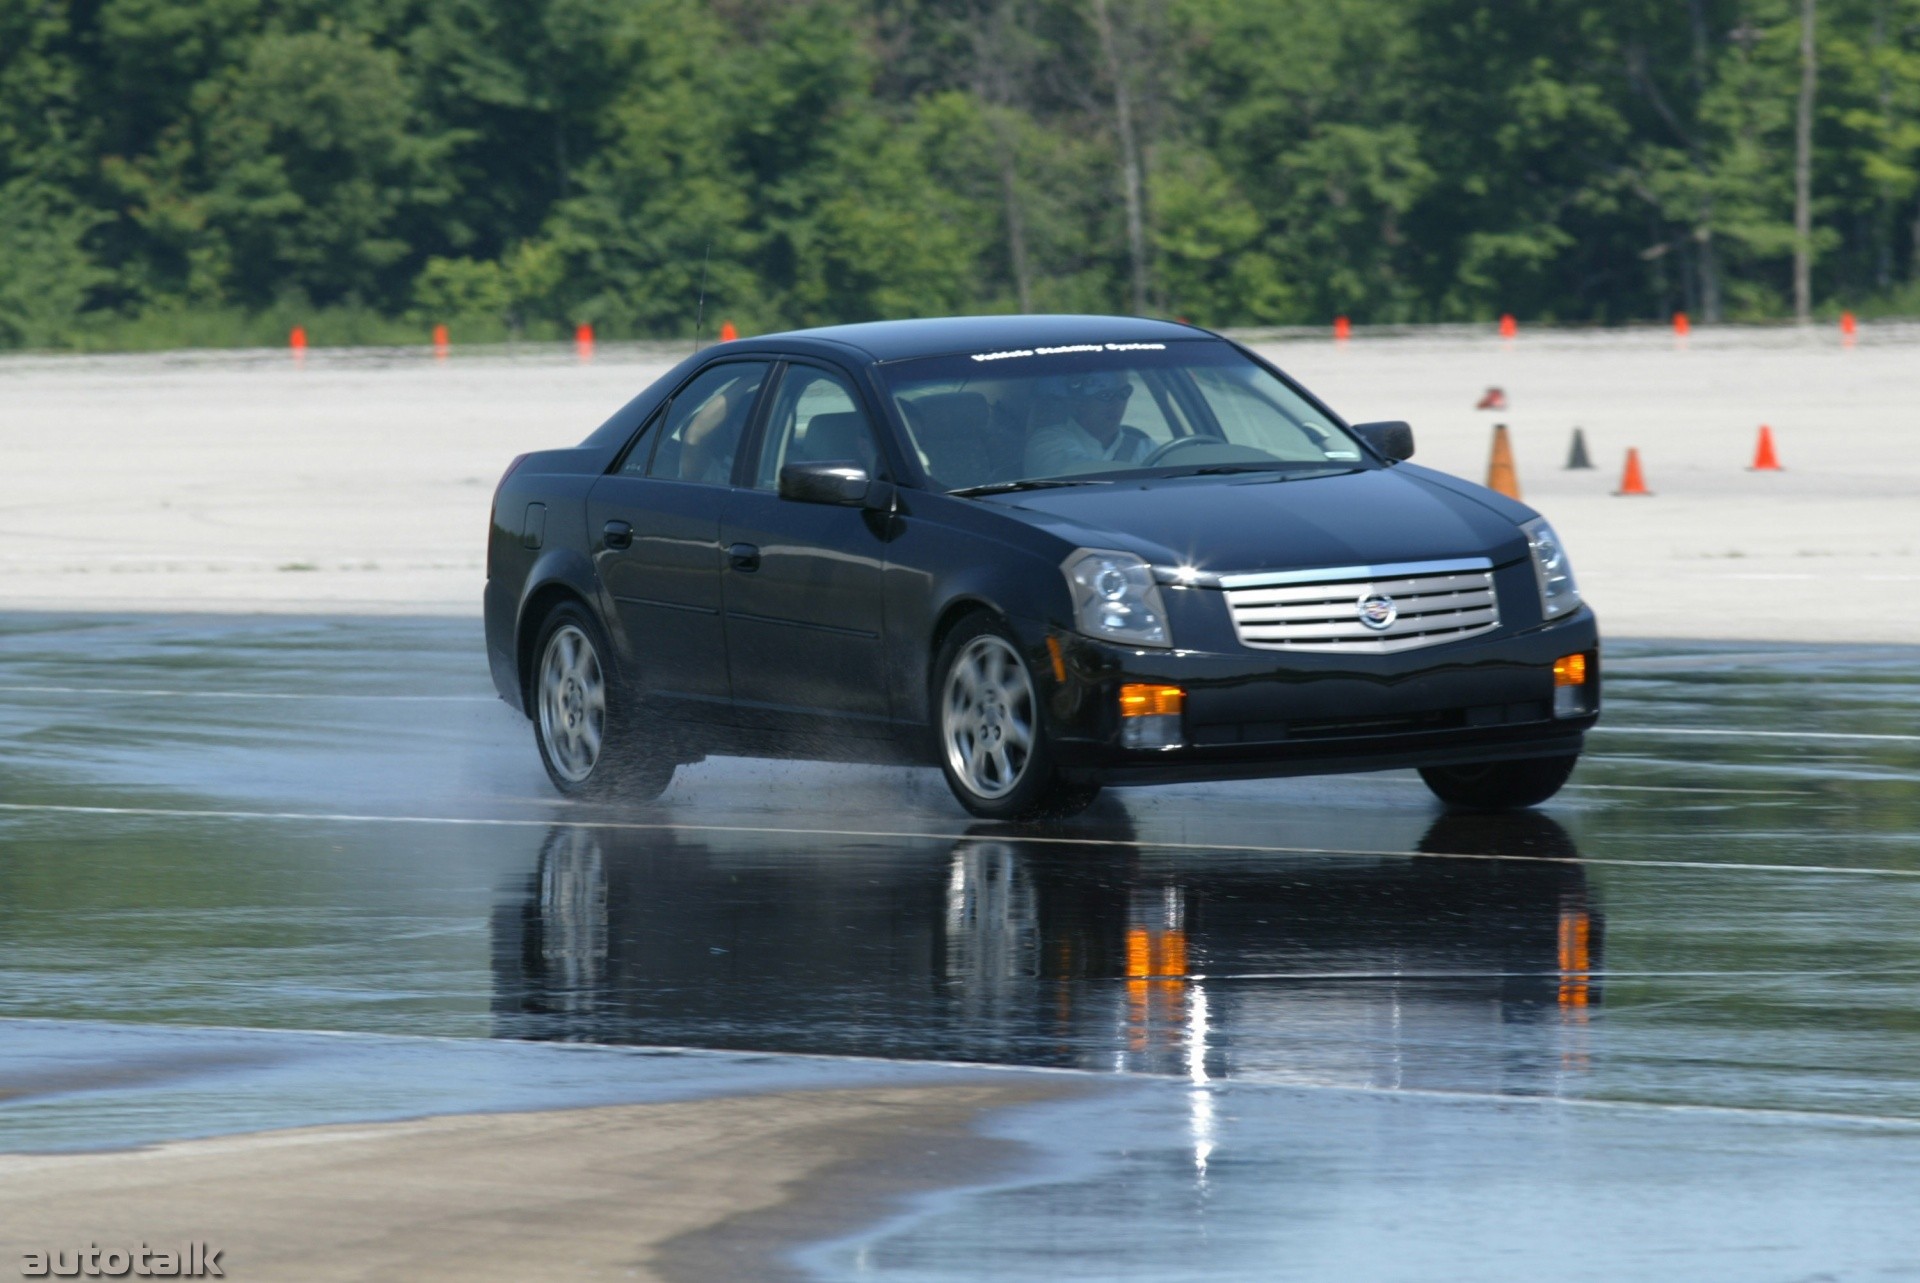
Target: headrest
837, 436
948, 414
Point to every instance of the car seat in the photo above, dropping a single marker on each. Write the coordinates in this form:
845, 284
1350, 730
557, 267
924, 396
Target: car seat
836, 438
1012, 423
951, 430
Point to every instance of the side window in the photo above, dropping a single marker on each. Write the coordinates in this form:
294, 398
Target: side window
704, 424
816, 419
634, 464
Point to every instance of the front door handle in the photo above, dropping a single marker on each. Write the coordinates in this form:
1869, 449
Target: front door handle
743, 556
618, 534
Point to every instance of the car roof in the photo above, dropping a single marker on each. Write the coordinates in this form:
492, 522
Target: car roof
941, 336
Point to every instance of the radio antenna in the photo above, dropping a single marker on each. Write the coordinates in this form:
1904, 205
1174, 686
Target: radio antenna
700, 312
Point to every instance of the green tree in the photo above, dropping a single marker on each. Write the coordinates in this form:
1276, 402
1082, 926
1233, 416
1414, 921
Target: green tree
46, 272
221, 165
311, 152
1317, 144
880, 240
1870, 91
661, 212
1520, 110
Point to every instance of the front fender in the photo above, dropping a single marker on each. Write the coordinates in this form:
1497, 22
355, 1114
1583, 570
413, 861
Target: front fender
933, 581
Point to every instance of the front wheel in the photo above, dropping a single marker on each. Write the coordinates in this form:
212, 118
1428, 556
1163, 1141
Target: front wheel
994, 749
584, 729
1499, 786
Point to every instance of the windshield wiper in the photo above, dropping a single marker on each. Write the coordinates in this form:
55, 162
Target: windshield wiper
1300, 468
1008, 487
1302, 474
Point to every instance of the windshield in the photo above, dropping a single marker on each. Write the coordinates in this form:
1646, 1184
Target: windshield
1106, 411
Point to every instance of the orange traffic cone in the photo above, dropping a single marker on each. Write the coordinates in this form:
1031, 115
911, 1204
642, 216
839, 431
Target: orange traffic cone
1495, 399
1848, 327
1681, 325
1631, 481
440, 343
1342, 329
1501, 476
1508, 326
727, 333
1764, 459
297, 340
583, 340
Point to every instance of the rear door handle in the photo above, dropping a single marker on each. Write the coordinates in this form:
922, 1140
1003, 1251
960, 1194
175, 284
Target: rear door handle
743, 556
618, 534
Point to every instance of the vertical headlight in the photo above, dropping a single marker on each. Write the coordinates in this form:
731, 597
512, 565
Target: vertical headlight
1114, 597
1554, 573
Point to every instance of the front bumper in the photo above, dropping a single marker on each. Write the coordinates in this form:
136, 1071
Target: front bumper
1259, 714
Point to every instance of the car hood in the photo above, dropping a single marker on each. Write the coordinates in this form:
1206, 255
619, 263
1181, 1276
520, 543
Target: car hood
1237, 524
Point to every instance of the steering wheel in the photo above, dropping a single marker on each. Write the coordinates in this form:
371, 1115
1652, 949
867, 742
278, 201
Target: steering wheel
1162, 453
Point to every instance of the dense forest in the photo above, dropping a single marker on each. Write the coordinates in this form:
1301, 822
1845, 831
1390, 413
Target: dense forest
208, 171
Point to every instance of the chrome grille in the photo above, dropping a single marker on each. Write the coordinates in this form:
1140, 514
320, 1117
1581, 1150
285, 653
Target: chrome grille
1320, 610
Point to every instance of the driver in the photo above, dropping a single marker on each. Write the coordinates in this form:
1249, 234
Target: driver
1090, 431
713, 434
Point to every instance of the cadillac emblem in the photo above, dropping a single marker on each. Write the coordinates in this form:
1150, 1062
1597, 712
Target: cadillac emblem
1378, 612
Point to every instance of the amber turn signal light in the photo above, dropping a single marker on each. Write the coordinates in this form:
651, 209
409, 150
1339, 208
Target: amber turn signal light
1141, 700
1150, 716
1059, 660
1570, 670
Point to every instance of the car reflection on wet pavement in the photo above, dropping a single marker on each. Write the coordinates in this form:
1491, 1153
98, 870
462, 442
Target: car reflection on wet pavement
1391, 972
306, 824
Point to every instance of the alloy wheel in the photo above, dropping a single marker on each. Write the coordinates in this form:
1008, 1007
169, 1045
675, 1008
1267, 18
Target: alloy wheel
988, 717
573, 703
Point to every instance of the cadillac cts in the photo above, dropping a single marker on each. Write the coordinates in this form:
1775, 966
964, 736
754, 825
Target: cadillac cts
1046, 554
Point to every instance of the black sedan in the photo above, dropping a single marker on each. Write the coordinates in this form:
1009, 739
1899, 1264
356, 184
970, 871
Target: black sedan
1046, 554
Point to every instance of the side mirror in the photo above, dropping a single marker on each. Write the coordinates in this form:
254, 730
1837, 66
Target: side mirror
1392, 439
843, 483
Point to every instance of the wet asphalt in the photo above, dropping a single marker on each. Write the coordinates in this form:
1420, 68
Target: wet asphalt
1666, 1026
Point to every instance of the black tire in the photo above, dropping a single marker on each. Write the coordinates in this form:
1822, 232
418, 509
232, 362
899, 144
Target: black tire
1499, 786
583, 718
993, 744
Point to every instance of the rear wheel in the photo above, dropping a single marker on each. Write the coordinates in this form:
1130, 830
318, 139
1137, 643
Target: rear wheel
994, 748
1499, 786
586, 731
